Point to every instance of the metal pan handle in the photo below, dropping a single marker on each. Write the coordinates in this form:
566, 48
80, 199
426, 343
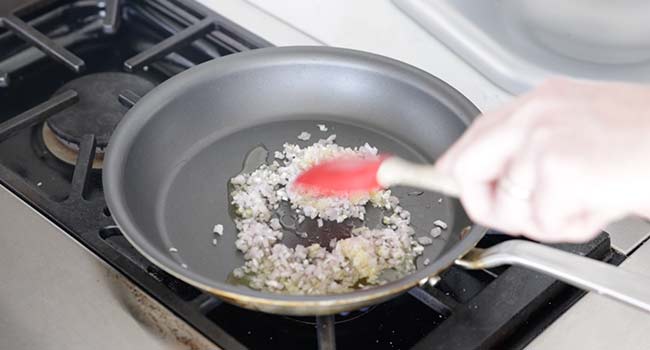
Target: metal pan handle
588, 274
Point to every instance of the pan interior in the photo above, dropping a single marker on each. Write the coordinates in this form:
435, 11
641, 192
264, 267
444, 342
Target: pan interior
197, 197
173, 154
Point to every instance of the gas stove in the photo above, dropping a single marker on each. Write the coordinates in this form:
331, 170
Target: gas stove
70, 70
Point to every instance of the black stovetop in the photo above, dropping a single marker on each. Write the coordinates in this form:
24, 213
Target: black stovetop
122, 49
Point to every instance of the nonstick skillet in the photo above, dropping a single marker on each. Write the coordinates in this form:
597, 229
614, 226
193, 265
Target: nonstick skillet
169, 161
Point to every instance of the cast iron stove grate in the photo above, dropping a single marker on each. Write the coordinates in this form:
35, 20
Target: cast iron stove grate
47, 46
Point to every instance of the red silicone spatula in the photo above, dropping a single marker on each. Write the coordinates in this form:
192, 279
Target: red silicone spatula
348, 175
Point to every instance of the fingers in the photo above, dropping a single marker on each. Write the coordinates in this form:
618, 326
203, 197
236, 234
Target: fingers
478, 199
481, 124
479, 160
477, 171
576, 229
570, 149
500, 155
519, 184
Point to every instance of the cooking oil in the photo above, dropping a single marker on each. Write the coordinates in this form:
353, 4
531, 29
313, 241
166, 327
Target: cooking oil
253, 160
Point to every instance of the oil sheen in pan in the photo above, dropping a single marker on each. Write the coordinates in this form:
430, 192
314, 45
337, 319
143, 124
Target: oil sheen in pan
289, 220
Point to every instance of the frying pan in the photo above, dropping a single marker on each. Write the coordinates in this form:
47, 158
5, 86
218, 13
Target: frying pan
169, 161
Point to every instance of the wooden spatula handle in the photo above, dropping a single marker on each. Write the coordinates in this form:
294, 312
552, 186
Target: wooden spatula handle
397, 171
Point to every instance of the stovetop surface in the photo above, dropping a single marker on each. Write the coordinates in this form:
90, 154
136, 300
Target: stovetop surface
504, 307
10, 5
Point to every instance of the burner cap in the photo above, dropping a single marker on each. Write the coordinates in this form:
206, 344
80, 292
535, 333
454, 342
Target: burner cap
65, 152
98, 110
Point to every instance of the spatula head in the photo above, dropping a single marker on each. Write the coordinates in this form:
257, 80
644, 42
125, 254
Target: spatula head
342, 176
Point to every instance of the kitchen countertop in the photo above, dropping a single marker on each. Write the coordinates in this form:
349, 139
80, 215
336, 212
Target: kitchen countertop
598, 323
55, 294
383, 30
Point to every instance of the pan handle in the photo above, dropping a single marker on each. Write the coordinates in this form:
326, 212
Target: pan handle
588, 274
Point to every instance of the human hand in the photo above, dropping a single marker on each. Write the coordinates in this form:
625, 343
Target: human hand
559, 163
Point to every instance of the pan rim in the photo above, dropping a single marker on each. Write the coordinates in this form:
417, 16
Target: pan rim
128, 129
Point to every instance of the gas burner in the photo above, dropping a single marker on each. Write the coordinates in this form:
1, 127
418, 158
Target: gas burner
98, 112
338, 318
51, 41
